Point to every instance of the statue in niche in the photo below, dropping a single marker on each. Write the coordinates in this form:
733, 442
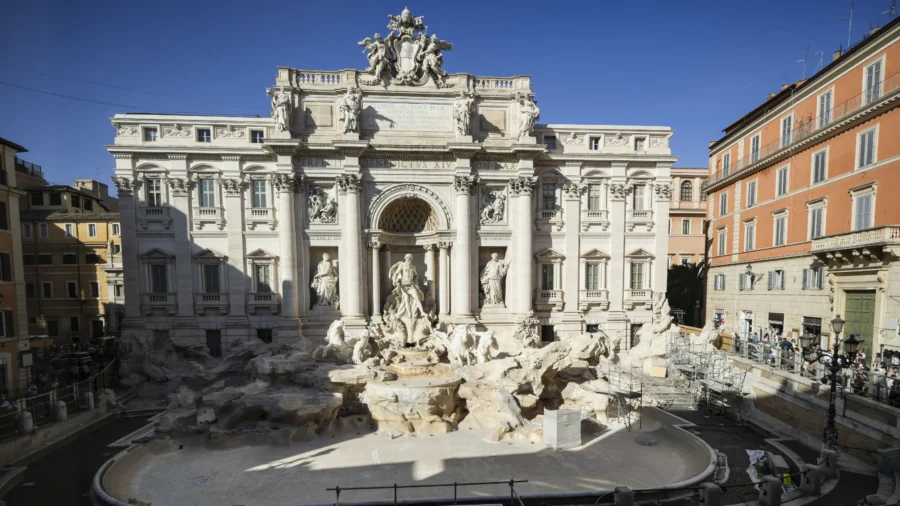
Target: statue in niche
325, 282
281, 109
494, 205
350, 105
322, 205
528, 115
492, 280
403, 308
463, 109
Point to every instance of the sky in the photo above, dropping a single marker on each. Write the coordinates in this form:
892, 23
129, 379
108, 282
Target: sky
694, 65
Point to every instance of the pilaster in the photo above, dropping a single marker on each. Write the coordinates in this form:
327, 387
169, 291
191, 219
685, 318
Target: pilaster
233, 192
444, 285
662, 196
572, 194
618, 194
180, 187
126, 186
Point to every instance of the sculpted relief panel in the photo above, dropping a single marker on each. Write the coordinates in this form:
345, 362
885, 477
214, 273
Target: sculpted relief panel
407, 117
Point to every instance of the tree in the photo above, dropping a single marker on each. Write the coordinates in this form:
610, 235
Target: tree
684, 288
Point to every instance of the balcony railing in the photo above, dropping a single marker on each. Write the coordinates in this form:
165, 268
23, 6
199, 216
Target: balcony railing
805, 128
686, 204
262, 300
260, 215
869, 237
151, 301
638, 295
29, 168
588, 298
548, 214
155, 212
211, 300
548, 299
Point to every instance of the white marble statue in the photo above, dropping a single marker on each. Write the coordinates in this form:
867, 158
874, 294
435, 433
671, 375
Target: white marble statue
325, 282
334, 340
528, 115
350, 105
403, 311
433, 60
494, 206
362, 349
380, 55
463, 108
486, 342
492, 280
322, 205
281, 109
526, 331
459, 351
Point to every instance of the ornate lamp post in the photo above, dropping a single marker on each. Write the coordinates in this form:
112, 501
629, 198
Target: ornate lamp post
851, 345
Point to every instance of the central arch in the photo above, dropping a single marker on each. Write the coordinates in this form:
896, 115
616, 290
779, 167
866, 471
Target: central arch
406, 207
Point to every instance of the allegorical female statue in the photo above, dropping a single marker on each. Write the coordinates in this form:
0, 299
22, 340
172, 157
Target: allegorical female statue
492, 280
281, 109
528, 115
325, 282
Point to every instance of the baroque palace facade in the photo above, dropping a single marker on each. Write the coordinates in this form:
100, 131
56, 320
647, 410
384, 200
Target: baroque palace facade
398, 177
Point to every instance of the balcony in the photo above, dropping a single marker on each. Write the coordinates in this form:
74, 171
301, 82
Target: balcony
262, 300
594, 217
154, 214
548, 300
29, 168
204, 301
639, 217
593, 298
862, 246
638, 297
683, 205
256, 216
208, 215
552, 217
158, 301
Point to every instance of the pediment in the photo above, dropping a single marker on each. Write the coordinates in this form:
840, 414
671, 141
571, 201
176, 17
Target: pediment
208, 253
640, 253
260, 253
156, 253
549, 254
595, 254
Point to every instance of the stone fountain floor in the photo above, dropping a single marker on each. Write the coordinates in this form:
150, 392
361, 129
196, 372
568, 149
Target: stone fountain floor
300, 473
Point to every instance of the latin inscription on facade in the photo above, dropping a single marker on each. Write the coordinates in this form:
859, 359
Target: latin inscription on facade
407, 117
386, 163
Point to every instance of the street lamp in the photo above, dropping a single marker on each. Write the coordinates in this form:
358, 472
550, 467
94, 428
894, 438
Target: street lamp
851, 346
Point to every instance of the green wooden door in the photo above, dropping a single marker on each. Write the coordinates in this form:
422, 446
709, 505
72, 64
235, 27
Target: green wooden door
860, 317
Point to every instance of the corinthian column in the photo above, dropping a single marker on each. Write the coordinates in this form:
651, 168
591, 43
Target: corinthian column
430, 266
286, 184
522, 265
350, 253
571, 285
444, 285
376, 279
462, 253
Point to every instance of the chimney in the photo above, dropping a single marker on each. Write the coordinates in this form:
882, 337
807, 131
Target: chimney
873, 30
772, 94
837, 54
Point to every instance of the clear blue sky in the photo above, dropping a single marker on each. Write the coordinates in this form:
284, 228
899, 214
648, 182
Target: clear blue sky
693, 65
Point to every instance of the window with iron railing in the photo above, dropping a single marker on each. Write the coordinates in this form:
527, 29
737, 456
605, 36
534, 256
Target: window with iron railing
873, 82
825, 108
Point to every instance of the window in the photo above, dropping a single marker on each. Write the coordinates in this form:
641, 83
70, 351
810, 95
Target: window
723, 204
151, 134
550, 141
685, 260
92, 230
116, 248
548, 196
780, 230
117, 290
866, 149
639, 143
207, 193
749, 236
74, 323
873, 82
722, 235
256, 136
702, 194
640, 197
88, 204
776, 279
4, 218
26, 230
204, 135
116, 229
547, 277
37, 199
76, 202
47, 289
53, 328
70, 259
816, 222
719, 282
159, 280
754, 149
686, 227
94, 287
594, 197
211, 278
92, 259
55, 199
786, 131
43, 230
70, 229
45, 259
594, 144
813, 278
32, 320
8, 325
782, 182
637, 276
5, 267
262, 278
28, 259
726, 163
154, 192
745, 281
825, 100
862, 212
214, 342
72, 289
592, 273
751, 193
264, 335
29, 290
820, 163
687, 191
260, 197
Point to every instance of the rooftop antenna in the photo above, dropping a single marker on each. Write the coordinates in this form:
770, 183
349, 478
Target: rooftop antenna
892, 12
803, 61
849, 28
821, 55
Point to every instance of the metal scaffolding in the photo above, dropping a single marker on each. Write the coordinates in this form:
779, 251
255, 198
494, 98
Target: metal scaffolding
626, 392
708, 375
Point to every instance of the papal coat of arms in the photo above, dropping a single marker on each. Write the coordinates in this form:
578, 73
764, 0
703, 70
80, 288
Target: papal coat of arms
408, 55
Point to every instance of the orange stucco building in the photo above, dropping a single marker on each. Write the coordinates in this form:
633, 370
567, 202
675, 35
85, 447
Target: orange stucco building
802, 220
687, 216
